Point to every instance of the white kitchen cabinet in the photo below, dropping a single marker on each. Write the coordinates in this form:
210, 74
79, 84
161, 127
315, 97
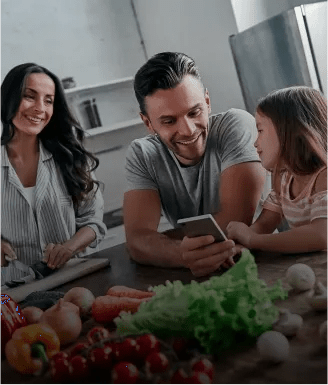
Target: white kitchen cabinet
120, 124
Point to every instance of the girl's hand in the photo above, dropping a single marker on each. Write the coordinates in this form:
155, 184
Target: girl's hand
6, 249
56, 255
240, 233
203, 256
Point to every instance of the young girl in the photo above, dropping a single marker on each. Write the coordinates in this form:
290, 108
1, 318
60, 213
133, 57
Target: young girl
292, 144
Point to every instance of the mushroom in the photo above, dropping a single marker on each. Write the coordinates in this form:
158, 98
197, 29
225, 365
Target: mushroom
300, 277
288, 324
323, 331
317, 297
273, 346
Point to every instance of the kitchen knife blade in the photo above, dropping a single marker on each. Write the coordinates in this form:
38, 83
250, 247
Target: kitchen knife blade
21, 266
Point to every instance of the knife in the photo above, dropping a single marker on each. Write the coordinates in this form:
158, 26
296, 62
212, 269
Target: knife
20, 266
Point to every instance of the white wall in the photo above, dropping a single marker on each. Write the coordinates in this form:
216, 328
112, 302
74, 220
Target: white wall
250, 12
92, 40
201, 30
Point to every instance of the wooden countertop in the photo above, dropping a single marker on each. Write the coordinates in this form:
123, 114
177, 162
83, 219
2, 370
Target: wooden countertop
307, 362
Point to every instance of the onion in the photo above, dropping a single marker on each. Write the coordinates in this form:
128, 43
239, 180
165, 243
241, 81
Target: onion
64, 318
32, 314
81, 297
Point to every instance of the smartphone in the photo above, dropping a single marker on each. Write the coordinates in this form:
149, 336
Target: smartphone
202, 225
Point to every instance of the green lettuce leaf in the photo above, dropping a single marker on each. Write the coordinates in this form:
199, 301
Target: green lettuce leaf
236, 306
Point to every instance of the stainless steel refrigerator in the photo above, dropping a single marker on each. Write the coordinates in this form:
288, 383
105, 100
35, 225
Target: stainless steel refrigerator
285, 50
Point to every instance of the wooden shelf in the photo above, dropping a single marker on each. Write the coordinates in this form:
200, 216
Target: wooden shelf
114, 127
99, 87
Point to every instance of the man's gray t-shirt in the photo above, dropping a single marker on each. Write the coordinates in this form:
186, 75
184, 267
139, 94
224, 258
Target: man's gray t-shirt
193, 190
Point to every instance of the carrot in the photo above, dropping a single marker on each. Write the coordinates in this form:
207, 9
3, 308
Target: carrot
106, 308
128, 292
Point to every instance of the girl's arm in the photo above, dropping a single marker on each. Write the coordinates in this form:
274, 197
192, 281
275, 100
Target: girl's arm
267, 222
307, 238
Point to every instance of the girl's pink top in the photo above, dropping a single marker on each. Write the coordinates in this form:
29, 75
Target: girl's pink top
304, 208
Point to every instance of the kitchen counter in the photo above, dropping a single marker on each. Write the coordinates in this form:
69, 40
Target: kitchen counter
307, 362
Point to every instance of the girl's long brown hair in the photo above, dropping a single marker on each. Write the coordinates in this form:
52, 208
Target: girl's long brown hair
299, 115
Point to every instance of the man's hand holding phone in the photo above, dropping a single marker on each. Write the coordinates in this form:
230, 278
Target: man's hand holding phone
205, 247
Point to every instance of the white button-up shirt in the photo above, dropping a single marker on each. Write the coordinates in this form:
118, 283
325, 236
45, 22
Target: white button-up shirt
52, 217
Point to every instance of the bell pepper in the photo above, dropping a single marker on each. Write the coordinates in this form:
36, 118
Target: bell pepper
11, 319
30, 348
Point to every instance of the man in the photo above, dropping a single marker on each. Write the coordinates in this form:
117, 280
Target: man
190, 164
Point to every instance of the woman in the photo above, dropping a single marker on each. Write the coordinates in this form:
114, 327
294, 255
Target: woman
52, 208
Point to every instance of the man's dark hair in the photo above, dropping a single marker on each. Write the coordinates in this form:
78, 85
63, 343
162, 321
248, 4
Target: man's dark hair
162, 71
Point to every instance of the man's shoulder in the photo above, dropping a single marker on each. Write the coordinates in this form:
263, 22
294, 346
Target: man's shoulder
233, 115
145, 147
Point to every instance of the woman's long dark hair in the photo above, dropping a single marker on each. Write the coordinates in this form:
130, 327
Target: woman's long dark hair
63, 136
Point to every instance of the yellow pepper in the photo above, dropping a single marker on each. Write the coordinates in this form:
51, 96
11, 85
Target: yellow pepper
30, 347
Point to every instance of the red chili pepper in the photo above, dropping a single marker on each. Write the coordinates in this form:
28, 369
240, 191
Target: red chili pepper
11, 319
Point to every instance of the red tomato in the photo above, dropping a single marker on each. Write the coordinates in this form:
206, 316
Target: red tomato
98, 333
100, 357
78, 368
156, 362
179, 377
59, 369
78, 348
203, 366
60, 355
198, 378
126, 350
147, 343
125, 373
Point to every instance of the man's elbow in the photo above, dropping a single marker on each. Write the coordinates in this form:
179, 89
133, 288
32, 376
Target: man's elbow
134, 251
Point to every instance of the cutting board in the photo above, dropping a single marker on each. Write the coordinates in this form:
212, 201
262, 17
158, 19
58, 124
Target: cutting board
74, 268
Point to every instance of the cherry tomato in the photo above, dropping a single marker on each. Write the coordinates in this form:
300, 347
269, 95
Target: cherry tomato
198, 378
147, 343
179, 377
156, 362
98, 333
78, 368
126, 350
78, 348
59, 369
100, 357
203, 365
125, 373
60, 355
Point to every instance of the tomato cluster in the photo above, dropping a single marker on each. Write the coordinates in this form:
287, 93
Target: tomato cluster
134, 359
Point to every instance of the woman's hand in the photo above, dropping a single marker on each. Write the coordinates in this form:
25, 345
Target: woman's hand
240, 233
56, 255
6, 249
203, 256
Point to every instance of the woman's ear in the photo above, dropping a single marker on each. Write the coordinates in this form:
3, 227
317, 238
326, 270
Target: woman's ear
147, 123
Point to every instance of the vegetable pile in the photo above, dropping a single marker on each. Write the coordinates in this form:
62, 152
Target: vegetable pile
220, 312
134, 359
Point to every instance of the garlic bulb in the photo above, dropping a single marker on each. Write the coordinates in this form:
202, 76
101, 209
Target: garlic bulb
317, 297
273, 346
65, 319
300, 277
288, 324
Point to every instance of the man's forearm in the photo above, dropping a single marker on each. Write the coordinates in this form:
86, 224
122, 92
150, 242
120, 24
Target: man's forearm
153, 248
